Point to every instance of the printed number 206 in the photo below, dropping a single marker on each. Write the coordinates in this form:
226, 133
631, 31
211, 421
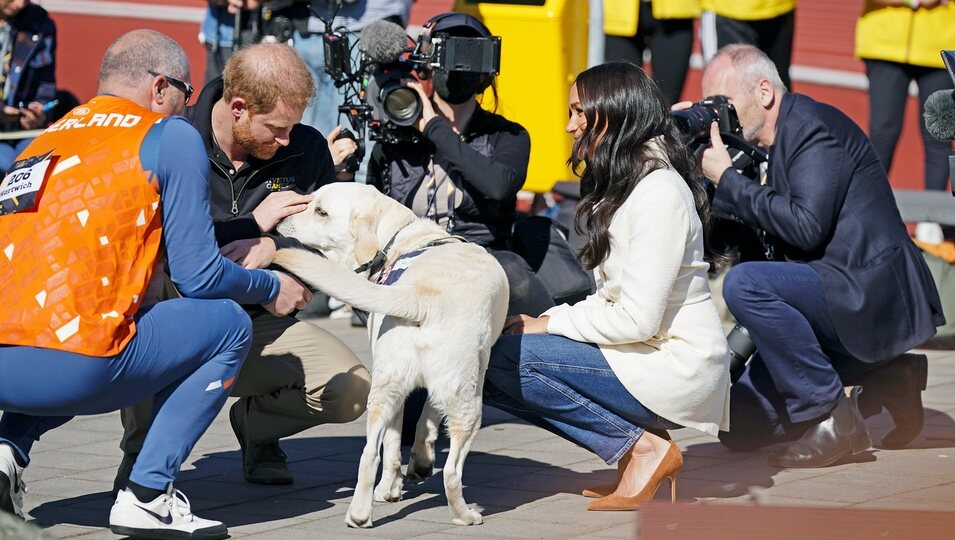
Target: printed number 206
20, 176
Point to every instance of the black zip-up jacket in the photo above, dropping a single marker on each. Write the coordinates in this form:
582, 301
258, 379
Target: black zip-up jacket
303, 166
488, 163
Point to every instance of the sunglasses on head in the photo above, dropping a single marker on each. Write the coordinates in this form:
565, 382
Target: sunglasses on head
183, 86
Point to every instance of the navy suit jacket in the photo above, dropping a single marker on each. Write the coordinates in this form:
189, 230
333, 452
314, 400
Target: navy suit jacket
829, 204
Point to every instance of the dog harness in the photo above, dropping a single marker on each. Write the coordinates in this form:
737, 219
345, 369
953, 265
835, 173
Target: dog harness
390, 273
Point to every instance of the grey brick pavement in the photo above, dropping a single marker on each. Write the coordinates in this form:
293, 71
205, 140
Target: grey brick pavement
526, 479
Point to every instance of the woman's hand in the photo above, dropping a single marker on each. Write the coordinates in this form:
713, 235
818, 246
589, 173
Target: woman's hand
525, 324
341, 148
427, 107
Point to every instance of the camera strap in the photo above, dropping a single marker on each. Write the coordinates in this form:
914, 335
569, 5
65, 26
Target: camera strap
436, 181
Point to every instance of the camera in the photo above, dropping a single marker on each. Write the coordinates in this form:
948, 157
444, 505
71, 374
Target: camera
694, 127
378, 100
741, 349
694, 123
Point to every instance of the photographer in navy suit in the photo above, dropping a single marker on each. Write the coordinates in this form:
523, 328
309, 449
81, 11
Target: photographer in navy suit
846, 292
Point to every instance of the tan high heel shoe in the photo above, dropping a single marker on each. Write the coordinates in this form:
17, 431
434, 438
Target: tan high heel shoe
669, 468
606, 489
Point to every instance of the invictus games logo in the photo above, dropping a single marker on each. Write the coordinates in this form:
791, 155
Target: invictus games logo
280, 183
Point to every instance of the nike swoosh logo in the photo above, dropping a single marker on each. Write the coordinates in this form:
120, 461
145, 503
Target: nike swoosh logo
165, 520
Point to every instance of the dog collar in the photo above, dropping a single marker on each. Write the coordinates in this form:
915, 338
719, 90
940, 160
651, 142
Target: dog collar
378, 261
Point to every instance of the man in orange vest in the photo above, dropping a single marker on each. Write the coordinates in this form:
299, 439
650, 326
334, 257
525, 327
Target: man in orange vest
87, 213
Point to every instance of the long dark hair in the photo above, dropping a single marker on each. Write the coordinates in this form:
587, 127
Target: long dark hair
624, 109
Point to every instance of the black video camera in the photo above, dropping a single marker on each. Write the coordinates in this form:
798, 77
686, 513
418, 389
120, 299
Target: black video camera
378, 96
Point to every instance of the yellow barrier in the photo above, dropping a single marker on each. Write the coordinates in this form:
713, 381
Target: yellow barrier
543, 48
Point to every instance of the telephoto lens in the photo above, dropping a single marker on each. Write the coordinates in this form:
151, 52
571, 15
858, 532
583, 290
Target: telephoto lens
741, 349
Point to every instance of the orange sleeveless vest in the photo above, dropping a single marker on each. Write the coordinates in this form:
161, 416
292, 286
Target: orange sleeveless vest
74, 267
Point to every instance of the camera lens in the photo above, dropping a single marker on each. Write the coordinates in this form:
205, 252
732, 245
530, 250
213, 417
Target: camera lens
694, 123
741, 348
402, 105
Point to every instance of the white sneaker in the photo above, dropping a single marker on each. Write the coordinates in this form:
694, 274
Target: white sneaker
11, 482
167, 516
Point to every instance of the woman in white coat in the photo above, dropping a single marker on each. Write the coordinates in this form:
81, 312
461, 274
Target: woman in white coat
646, 352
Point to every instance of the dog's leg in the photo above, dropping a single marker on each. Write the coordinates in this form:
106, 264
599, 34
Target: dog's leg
421, 465
389, 488
463, 421
382, 405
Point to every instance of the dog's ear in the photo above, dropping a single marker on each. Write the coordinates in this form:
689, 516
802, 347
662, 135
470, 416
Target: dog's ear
363, 225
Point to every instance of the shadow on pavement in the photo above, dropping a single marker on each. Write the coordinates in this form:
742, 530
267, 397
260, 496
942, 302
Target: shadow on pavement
325, 470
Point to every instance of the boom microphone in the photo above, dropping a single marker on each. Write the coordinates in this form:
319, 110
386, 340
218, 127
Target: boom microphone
383, 42
940, 115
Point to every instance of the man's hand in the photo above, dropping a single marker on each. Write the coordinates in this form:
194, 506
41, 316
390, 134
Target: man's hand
427, 108
715, 158
278, 206
250, 252
341, 148
30, 117
681, 105
292, 295
525, 324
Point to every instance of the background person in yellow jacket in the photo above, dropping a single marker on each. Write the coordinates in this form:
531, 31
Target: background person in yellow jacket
899, 41
663, 26
768, 25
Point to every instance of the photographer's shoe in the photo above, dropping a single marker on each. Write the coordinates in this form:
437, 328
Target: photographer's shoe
842, 433
898, 387
261, 463
166, 516
12, 487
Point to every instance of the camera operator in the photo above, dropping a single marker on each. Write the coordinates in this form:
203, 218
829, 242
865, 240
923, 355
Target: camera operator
847, 291
466, 169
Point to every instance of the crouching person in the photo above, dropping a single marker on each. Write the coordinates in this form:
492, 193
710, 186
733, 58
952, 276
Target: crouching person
89, 211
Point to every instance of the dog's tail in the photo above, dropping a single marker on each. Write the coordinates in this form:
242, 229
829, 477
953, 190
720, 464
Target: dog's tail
351, 288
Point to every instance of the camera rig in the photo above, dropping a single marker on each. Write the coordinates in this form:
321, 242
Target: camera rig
376, 98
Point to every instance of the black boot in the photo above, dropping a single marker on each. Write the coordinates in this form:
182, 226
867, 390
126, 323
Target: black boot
840, 434
261, 463
897, 386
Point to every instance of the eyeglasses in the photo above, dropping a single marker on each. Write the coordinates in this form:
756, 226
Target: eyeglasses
183, 86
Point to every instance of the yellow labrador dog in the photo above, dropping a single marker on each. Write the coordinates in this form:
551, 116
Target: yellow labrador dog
433, 327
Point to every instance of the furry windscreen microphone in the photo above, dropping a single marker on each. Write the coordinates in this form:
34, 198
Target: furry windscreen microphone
940, 115
383, 42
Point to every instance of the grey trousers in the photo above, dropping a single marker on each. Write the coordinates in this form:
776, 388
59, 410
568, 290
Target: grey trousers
296, 376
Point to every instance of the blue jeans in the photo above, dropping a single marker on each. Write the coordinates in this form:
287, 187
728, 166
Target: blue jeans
186, 351
568, 388
797, 374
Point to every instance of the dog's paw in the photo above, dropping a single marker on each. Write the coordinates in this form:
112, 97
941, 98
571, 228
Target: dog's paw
471, 517
388, 493
357, 522
418, 473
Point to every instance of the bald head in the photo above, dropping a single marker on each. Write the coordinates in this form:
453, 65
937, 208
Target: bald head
129, 59
262, 74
